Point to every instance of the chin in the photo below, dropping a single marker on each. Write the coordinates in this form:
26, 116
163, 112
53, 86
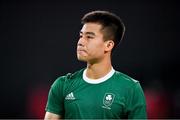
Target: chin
80, 58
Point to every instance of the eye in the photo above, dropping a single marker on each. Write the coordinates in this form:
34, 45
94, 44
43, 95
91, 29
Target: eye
90, 37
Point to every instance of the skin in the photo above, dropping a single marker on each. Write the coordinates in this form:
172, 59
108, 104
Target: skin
51, 116
93, 49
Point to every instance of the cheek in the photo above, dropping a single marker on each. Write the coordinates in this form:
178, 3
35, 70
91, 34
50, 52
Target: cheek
96, 49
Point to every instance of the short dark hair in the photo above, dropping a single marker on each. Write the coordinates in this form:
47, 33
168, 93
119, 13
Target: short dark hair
112, 26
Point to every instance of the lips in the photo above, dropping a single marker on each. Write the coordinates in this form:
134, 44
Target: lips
80, 49
81, 52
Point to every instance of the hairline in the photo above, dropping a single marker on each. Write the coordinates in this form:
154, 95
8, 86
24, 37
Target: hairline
102, 29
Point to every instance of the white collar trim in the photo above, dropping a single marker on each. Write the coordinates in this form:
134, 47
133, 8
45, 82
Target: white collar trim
99, 80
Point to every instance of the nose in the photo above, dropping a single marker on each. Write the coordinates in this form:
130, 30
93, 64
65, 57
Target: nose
81, 42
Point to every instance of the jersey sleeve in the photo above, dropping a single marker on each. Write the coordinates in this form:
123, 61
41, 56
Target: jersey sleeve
55, 100
136, 104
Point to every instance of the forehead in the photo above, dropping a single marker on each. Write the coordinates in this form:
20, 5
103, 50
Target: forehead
91, 27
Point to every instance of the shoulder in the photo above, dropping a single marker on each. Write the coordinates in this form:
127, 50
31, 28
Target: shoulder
69, 77
131, 85
125, 79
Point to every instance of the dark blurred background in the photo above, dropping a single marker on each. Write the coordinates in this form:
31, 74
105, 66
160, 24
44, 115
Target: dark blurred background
38, 44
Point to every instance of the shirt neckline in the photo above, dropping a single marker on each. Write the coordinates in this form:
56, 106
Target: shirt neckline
99, 80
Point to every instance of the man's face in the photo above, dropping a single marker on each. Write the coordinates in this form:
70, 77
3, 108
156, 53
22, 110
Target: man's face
91, 46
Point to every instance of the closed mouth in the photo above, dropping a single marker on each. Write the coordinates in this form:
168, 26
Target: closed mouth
80, 49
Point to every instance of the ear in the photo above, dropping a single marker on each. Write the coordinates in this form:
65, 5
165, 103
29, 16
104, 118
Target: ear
109, 44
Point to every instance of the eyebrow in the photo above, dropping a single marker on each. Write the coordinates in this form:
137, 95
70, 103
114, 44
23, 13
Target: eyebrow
87, 33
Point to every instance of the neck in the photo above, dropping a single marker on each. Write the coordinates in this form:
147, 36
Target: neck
98, 70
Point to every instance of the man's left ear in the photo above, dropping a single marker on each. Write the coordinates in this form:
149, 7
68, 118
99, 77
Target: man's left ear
109, 44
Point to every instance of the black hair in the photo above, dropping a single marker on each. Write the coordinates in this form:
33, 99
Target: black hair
112, 26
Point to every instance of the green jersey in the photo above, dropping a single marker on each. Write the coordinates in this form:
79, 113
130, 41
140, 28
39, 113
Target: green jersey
115, 96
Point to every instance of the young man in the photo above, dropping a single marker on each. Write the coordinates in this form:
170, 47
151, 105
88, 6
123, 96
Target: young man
97, 91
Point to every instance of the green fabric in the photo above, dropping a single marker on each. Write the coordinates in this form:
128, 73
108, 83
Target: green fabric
116, 98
